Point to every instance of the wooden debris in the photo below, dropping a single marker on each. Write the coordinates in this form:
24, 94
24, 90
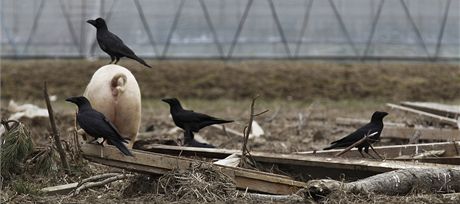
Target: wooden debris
275, 198
108, 179
401, 131
441, 119
55, 133
394, 151
312, 166
359, 122
147, 162
400, 182
444, 110
60, 189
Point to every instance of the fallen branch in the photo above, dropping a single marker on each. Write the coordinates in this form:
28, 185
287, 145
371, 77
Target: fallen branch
399, 182
275, 198
98, 177
57, 140
247, 131
101, 183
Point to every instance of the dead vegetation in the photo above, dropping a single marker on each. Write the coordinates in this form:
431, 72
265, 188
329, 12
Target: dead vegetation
291, 80
301, 123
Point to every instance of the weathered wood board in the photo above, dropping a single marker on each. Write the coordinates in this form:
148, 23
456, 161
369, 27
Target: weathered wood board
155, 163
451, 111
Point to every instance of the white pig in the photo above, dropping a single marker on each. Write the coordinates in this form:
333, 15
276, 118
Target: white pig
114, 91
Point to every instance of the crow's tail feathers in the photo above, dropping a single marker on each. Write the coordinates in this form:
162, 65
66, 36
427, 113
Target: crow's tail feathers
220, 121
134, 57
194, 143
122, 147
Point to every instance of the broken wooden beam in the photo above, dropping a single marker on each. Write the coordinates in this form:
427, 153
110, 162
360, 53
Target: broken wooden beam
439, 134
441, 119
155, 163
60, 189
303, 166
451, 150
450, 111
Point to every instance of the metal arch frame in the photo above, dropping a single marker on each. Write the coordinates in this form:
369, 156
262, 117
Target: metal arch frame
140, 11
441, 32
373, 28
70, 27
343, 27
280, 28
211, 27
304, 28
34, 25
414, 26
217, 40
173, 28
239, 29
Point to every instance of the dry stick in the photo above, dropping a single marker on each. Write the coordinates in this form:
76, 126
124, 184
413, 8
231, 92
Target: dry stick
57, 140
101, 183
247, 130
97, 177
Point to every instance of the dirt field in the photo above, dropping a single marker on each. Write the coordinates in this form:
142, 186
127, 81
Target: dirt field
318, 91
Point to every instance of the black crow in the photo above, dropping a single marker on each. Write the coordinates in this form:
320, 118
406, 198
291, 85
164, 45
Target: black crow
112, 44
372, 129
97, 125
190, 121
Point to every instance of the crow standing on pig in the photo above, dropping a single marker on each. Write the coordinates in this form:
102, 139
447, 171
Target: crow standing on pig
97, 125
112, 44
372, 130
191, 121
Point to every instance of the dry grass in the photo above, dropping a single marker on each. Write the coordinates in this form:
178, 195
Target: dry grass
305, 80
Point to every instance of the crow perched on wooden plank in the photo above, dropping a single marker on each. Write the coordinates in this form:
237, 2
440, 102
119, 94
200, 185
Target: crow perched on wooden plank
372, 129
97, 125
112, 44
190, 121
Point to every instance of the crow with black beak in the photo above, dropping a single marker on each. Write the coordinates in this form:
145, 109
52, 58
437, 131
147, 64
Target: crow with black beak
112, 44
372, 130
97, 125
191, 121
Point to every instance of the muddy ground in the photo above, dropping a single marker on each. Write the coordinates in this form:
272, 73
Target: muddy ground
317, 92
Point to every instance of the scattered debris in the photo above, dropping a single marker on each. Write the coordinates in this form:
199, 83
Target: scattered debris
442, 119
199, 182
233, 160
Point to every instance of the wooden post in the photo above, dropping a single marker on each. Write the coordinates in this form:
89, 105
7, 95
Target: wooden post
55, 133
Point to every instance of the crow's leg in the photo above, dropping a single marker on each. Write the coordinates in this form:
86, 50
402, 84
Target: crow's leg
366, 150
116, 61
112, 58
360, 149
376, 152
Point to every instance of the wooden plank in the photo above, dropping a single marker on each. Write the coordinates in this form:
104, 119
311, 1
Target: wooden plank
451, 148
360, 122
440, 134
450, 111
441, 119
310, 166
160, 164
437, 160
190, 151
61, 189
